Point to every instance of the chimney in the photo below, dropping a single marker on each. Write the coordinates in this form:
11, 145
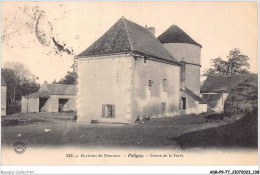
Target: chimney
152, 30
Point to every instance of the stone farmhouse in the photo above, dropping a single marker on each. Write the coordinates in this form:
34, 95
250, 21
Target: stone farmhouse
128, 73
216, 88
51, 98
3, 96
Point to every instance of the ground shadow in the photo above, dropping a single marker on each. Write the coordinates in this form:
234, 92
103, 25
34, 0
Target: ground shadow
240, 134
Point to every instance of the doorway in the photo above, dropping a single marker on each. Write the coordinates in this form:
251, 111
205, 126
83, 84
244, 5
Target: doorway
63, 104
183, 99
42, 104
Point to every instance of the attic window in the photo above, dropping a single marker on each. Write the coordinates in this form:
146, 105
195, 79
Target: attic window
145, 60
165, 85
150, 83
108, 111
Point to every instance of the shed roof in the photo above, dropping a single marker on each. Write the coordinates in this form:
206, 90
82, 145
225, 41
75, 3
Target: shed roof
224, 83
3, 83
193, 95
40, 94
128, 37
174, 34
59, 89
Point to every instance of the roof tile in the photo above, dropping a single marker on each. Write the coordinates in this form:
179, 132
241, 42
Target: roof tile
174, 34
126, 36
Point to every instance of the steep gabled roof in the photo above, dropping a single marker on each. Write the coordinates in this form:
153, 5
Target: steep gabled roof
224, 83
128, 37
174, 34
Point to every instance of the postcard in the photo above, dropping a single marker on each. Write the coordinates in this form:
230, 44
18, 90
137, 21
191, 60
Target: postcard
129, 83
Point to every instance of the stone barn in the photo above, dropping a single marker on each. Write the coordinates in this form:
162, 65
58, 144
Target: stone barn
128, 73
217, 87
51, 98
3, 96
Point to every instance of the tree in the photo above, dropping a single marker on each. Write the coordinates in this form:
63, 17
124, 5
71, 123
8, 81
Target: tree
12, 83
20, 81
237, 63
54, 81
22, 73
72, 76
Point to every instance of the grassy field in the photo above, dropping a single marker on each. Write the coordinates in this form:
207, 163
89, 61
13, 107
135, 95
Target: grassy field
63, 130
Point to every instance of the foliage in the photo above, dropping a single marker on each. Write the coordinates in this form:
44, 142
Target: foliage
72, 76
14, 108
237, 63
20, 81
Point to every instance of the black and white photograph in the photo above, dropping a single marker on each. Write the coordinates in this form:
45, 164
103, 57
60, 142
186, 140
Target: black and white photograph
129, 83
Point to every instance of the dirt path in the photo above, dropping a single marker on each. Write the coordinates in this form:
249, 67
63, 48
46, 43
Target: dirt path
39, 130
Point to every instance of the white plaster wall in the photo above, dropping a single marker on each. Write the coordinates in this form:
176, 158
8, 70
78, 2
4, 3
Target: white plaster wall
53, 102
192, 106
192, 79
220, 105
29, 105
24, 105
189, 52
105, 80
148, 102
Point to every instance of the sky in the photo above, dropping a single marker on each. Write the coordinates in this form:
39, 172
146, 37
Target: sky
45, 36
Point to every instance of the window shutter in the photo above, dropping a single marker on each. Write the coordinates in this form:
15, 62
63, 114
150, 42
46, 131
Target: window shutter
113, 111
103, 110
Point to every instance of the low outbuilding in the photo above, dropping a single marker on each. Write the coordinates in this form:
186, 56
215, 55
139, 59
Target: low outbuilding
51, 98
217, 87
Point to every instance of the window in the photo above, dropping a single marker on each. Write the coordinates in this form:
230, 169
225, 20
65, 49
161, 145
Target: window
183, 103
163, 108
145, 59
150, 84
165, 85
108, 111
